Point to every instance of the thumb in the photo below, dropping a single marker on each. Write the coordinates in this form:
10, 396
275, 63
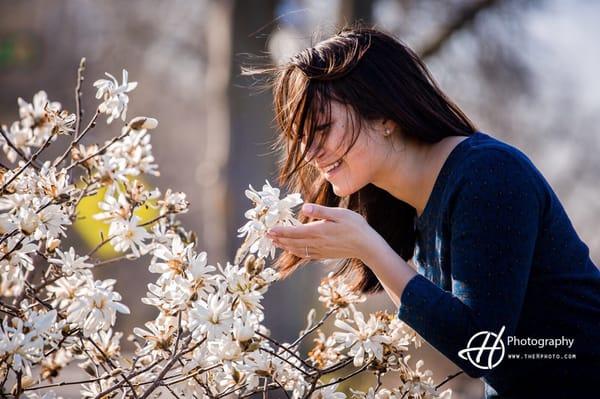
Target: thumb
322, 212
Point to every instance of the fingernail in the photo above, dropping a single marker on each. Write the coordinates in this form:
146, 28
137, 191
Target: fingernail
307, 208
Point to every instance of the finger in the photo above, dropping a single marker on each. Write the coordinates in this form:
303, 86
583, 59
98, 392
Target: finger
323, 212
293, 242
295, 246
306, 230
302, 252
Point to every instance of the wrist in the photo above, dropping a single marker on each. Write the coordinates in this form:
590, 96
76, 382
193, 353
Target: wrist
391, 270
372, 247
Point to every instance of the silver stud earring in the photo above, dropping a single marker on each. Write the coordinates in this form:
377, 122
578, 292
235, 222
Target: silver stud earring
387, 132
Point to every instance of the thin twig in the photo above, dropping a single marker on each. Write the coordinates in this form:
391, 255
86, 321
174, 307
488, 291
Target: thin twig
100, 245
101, 150
109, 261
225, 393
191, 375
248, 394
77, 139
13, 249
285, 360
14, 147
282, 388
28, 163
64, 383
172, 392
154, 219
79, 110
340, 379
19, 384
313, 328
8, 235
113, 366
167, 367
378, 382
284, 348
131, 375
450, 377
337, 366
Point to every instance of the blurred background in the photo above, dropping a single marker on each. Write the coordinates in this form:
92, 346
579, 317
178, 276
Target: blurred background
524, 71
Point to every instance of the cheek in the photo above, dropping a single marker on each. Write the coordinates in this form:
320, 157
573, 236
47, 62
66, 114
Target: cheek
362, 160
357, 173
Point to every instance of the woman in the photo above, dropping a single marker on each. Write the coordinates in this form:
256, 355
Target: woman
393, 170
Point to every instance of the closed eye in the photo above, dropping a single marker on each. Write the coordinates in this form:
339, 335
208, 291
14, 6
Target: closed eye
323, 127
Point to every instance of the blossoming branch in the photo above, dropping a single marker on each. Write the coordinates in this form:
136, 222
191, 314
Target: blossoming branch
208, 339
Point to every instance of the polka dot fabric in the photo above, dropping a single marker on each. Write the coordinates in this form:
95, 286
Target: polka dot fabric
495, 248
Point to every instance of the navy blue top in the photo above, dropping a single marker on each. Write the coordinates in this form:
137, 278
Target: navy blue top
495, 248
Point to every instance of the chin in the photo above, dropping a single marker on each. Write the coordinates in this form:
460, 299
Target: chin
342, 191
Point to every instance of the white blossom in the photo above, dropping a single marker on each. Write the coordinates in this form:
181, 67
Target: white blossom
114, 96
46, 395
20, 136
54, 183
95, 307
329, 392
244, 327
71, 263
23, 342
92, 390
198, 274
169, 295
335, 293
159, 335
136, 149
174, 258
56, 312
269, 211
365, 340
128, 235
212, 317
37, 116
223, 349
242, 288
173, 202
65, 289
115, 207
53, 220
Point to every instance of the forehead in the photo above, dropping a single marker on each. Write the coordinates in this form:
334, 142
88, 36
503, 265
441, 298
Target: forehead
328, 111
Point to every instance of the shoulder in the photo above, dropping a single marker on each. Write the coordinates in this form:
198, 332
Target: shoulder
495, 158
496, 175
487, 159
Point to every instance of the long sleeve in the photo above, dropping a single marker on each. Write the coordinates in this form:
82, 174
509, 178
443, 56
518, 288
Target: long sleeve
494, 217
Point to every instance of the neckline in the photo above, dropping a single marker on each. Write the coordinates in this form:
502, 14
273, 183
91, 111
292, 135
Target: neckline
444, 172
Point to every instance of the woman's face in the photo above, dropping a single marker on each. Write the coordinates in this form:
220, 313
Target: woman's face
358, 167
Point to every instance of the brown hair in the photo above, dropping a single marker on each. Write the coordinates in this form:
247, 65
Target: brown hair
376, 77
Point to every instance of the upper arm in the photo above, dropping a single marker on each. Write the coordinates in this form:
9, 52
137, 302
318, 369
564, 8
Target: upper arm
494, 221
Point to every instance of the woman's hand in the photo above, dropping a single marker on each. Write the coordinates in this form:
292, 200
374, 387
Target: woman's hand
339, 233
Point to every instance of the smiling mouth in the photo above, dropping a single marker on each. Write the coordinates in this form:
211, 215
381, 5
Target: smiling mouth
332, 168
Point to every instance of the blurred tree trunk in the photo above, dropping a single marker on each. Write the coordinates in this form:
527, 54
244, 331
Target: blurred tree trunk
212, 170
250, 116
237, 122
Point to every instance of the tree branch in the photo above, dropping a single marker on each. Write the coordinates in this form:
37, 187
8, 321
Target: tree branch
463, 19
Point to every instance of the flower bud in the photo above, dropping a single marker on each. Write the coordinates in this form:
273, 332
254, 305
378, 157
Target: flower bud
143, 122
52, 244
29, 223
